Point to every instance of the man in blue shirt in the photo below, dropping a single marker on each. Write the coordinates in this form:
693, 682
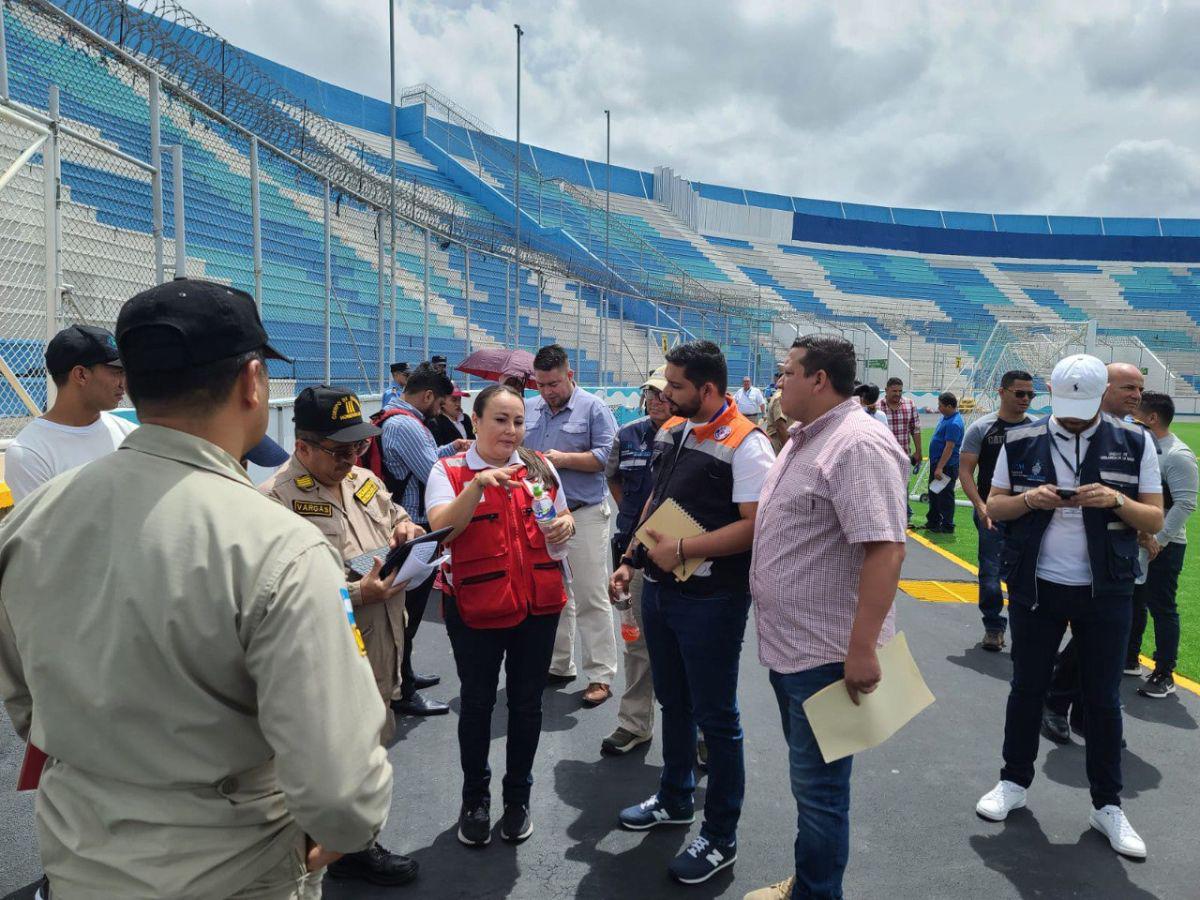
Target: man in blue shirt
399, 380
943, 465
575, 431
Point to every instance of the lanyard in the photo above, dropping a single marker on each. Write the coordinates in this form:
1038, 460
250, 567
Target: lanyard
1073, 468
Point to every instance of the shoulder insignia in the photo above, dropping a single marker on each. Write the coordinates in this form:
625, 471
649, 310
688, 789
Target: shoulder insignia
723, 432
311, 508
364, 494
305, 482
358, 638
352, 476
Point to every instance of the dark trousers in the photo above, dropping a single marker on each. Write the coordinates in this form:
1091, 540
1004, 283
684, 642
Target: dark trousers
525, 650
991, 598
821, 789
941, 504
1064, 681
1158, 596
414, 603
695, 645
1100, 626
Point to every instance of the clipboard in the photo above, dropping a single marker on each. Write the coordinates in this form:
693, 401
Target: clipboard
393, 557
671, 521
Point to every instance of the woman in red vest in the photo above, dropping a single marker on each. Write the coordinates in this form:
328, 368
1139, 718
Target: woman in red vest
505, 593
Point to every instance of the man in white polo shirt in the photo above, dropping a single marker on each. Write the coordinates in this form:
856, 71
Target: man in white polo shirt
86, 369
750, 401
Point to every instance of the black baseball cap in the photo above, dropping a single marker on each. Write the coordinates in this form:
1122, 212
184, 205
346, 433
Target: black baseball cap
400, 367
81, 345
435, 359
333, 413
189, 322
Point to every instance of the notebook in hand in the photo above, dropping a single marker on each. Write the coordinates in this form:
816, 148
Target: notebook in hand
670, 521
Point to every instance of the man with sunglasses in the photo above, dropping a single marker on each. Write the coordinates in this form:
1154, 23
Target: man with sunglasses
977, 462
355, 512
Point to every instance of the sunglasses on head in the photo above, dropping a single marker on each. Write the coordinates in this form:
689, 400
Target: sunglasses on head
1021, 395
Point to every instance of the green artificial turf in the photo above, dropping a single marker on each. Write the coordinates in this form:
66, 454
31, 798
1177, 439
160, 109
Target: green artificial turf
963, 544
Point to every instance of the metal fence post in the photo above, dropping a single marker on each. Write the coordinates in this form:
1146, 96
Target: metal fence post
578, 326
328, 285
467, 292
156, 198
51, 214
621, 340
180, 228
603, 335
517, 306
425, 303
507, 304
539, 310
392, 277
379, 239
3, 62
256, 224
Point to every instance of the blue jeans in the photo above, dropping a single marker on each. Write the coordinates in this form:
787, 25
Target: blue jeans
822, 790
695, 645
991, 598
1100, 629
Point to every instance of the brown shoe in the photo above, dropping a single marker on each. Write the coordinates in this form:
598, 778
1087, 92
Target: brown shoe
596, 694
993, 641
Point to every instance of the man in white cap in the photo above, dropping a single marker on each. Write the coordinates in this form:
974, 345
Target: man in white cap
1075, 489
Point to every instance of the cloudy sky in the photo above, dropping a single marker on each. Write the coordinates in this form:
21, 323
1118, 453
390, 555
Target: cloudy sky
1004, 106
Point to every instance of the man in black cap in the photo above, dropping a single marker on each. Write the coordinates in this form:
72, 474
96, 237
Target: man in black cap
355, 512
89, 380
227, 710
439, 363
399, 380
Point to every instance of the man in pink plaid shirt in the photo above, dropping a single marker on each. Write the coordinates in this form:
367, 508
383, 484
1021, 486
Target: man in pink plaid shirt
828, 544
905, 422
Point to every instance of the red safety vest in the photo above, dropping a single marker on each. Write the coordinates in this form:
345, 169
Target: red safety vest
501, 569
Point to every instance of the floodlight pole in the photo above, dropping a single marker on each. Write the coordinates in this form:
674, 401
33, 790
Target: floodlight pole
517, 191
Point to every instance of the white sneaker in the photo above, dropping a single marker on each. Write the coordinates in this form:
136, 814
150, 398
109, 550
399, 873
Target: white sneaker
1110, 821
997, 803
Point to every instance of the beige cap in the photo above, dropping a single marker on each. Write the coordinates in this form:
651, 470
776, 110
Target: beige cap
657, 379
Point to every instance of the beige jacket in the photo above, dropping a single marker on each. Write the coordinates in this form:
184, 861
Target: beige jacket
179, 646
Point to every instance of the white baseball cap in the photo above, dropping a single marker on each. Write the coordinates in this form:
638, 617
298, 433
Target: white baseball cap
1076, 386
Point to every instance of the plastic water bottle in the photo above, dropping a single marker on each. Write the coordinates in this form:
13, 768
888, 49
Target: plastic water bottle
630, 630
543, 506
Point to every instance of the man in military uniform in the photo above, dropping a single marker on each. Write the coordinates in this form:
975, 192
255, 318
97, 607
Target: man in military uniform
178, 645
352, 508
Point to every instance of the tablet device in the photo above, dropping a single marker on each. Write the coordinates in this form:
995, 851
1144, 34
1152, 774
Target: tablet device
397, 556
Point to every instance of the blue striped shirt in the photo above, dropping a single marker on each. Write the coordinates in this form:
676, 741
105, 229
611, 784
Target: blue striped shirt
409, 450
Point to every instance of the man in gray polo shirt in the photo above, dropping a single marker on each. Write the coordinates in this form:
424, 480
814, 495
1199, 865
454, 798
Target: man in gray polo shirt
575, 431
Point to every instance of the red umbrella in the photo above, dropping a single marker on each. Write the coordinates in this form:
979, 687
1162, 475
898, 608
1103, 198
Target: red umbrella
497, 364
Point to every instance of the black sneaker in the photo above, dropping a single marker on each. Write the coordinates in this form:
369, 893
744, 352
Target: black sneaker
516, 825
702, 860
1159, 684
1055, 728
1133, 666
475, 824
375, 866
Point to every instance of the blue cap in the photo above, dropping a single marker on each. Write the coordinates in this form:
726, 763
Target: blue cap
267, 453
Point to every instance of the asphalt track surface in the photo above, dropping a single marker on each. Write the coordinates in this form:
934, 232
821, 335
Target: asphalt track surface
914, 830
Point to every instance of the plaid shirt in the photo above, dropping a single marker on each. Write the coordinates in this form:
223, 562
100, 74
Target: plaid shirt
836, 486
904, 421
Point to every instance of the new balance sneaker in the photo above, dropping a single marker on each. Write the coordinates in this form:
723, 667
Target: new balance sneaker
516, 824
1159, 684
1110, 821
652, 812
475, 824
701, 861
997, 803
621, 741
780, 891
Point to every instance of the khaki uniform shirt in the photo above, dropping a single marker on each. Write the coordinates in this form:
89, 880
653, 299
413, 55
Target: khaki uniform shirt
356, 517
773, 413
180, 648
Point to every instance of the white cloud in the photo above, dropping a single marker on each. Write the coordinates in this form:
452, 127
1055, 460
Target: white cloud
1149, 178
1004, 107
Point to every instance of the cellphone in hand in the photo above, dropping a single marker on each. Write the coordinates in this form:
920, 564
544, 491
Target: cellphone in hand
1066, 493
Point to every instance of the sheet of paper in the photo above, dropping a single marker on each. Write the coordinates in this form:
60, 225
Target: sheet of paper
937, 485
419, 564
842, 729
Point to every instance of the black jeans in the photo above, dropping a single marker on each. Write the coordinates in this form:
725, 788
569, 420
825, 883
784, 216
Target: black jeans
414, 602
525, 650
1158, 595
1100, 626
941, 504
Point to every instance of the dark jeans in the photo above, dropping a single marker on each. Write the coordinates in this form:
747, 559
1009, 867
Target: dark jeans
941, 504
695, 644
1100, 626
991, 598
525, 650
1158, 595
414, 603
822, 790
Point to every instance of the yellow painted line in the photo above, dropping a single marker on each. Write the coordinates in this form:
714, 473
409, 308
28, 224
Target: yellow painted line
942, 551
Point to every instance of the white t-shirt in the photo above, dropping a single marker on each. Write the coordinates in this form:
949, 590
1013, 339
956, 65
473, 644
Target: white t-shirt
44, 449
1064, 553
751, 402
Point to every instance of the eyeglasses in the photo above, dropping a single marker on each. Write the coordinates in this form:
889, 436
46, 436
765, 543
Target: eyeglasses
345, 452
1021, 395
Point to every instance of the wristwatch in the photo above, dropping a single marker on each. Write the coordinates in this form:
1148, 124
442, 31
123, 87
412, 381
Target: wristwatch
629, 561
1120, 500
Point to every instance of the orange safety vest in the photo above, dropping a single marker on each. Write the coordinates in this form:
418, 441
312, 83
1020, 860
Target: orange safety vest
500, 567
